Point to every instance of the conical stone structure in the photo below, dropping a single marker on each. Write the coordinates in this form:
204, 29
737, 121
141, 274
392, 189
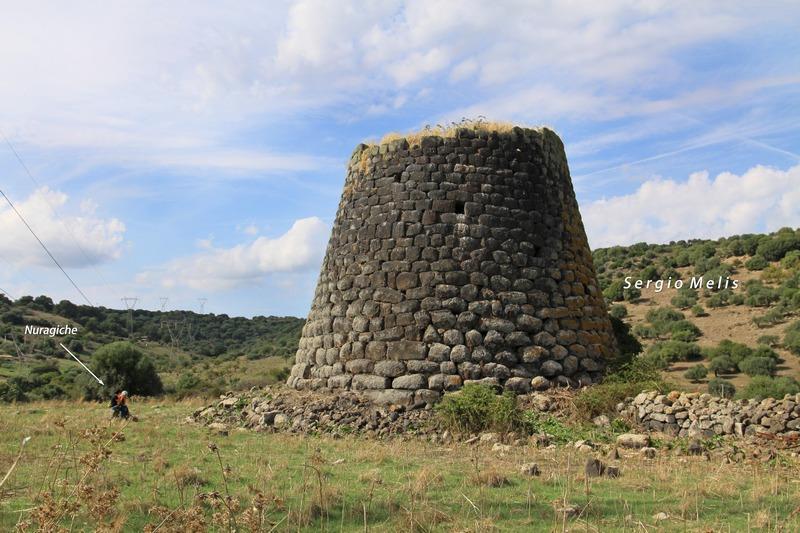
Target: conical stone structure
454, 259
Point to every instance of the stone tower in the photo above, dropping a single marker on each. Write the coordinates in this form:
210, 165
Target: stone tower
456, 258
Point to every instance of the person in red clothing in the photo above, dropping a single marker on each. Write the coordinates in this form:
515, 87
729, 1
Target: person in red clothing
120, 405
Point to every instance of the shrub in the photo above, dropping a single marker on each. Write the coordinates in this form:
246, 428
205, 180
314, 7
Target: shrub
791, 338
761, 387
477, 408
757, 262
629, 346
698, 310
758, 366
768, 340
775, 248
637, 376
696, 373
723, 364
618, 311
721, 387
663, 353
663, 314
683, 330
122, 365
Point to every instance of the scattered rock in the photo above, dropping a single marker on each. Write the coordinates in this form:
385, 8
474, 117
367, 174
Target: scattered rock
649, 452
501, 448
695, 448
228, 403
594, 468
612, 471
217, 426
601, 421
660, 517
633, 440
489, 438
530, 469
280, 420
568, 511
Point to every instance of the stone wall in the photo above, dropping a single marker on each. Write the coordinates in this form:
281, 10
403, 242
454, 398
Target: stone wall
703, 415
451, 260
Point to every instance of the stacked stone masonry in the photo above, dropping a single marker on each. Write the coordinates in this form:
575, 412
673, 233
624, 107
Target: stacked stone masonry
703, 415
455, 260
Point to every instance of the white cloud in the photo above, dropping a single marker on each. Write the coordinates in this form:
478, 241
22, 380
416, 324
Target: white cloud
75, 240
299, 249
761, 199
180, 80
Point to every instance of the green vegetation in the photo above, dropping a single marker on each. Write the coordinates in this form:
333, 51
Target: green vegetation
761, 387
696, 373
189, 353
637, 376
165, 476
618, 311
758, 366
663, 353
721, 387
791, 338
477, 408
666, 322
123, 367
206, 335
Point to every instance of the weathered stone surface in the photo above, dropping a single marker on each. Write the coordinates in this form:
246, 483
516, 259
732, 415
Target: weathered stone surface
369, 381
633, 440
389, 369
465, 255
410, 381
700, 416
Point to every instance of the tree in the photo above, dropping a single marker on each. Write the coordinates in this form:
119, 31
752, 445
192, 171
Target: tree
696, 373
122, 365
722, 364
618, 311
761, 387
758, 366
721, 387
757, 262
791, 338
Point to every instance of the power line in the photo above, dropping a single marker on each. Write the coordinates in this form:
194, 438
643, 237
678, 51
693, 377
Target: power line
6, 293
46, 250
55, 212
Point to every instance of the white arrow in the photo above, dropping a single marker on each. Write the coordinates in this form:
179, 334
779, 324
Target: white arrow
100, 381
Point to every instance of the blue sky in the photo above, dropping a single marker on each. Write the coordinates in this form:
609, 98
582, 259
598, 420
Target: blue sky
194, 150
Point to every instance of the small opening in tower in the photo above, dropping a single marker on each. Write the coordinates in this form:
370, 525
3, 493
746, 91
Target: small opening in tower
459, 207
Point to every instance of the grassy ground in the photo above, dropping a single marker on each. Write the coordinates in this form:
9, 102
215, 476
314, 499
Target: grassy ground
166, 473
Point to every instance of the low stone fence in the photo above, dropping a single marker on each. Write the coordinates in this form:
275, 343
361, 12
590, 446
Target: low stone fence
703, 415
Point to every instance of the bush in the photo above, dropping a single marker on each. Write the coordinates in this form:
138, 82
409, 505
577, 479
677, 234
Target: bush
721, 387
629, 346
696, 373
768, 340
758, 366
761, 387
618, 311
661, 354
121, 365
791, 338
683, 330
723, 364
757, 262
698, 310
637, 376
477, 408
